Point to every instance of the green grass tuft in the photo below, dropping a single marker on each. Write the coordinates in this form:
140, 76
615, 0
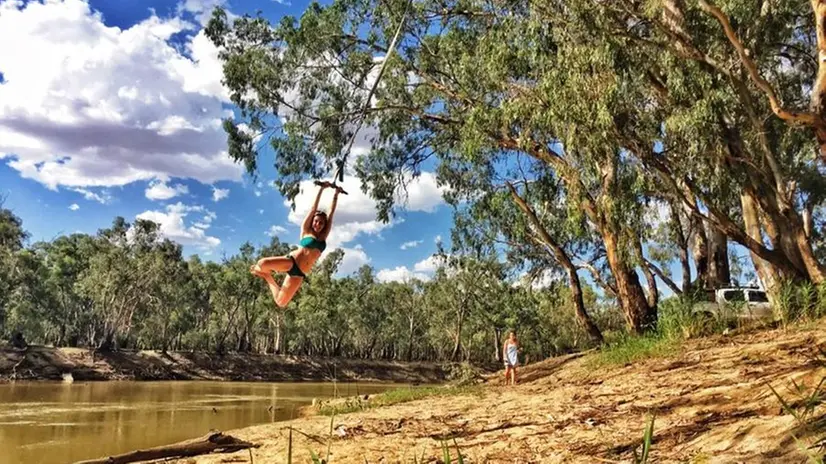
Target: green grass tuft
395, 396
628, 350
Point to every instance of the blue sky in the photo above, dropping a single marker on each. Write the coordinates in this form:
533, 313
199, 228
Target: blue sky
119, 116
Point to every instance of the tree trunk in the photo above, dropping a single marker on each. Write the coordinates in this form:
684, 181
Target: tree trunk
562, 258
638, 315
699, 251
278, 326
582, 316
719, 272
653, 296
818, 103
457, 345
769, 275
497, 344
808, 219
410, 340
682, 240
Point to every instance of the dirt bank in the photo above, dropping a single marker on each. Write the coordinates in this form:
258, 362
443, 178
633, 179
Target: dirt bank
711, 400
45, 363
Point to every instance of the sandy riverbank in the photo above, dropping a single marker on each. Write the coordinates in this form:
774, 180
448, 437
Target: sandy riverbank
710, 397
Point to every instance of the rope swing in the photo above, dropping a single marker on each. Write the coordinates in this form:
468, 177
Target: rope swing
339, 175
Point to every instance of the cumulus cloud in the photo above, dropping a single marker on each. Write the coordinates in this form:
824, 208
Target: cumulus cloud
275, 230
400, 274
410, 244
160, 190
429, 264
422, 194
423, 270
173, 227
74, 207
104, 106
219, 194
353, 259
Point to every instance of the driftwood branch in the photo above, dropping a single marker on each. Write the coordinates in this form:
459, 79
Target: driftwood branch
215, 441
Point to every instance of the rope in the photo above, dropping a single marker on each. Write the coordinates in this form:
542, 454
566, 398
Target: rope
339, 175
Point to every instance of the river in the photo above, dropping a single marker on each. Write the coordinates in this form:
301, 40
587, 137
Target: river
58, 423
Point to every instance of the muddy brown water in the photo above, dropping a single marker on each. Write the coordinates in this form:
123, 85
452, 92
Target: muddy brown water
57, 423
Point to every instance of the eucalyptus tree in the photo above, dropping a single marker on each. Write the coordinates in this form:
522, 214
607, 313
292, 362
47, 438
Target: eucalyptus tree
707, 131
539, 230
472, 83
12, 238
65, 258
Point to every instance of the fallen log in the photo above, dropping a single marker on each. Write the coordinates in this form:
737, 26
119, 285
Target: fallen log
215, 441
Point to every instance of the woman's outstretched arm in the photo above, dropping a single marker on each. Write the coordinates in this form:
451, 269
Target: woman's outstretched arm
308, 221
329, 225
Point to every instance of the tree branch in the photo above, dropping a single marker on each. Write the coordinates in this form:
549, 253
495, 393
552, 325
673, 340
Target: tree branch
797, 117
663, 277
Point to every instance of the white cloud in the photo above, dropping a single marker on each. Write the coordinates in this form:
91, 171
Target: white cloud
283, 2
74, 207
104, 106
159, 190
437, 239
275, 230
422, 194
172, 225
219, 194
423, 270
353, 259
260, 211
539, 282
202, 9
258, 193
103, 197
429, 264
400, 274
411, 244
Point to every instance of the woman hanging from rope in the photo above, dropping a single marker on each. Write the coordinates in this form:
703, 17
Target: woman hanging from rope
297, 264
317, 224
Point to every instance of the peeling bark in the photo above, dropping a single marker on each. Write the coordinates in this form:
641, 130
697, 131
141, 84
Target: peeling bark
719, 273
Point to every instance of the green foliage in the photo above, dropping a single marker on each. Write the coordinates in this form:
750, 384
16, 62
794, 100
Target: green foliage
798, 301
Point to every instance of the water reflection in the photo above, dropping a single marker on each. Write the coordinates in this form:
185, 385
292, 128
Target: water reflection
56, 423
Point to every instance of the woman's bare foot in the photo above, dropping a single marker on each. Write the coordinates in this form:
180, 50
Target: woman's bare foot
257, 271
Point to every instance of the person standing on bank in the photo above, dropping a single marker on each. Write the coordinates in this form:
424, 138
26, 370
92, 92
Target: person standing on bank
510, 353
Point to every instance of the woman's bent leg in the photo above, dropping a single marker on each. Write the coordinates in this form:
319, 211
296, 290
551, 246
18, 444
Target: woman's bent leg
288, 289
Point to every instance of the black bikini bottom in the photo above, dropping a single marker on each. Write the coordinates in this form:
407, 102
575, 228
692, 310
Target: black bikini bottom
295, 271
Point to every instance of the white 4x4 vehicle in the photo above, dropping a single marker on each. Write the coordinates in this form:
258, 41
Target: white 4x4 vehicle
750, 303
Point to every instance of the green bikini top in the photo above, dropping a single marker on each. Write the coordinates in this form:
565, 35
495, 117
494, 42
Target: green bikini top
312, 242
